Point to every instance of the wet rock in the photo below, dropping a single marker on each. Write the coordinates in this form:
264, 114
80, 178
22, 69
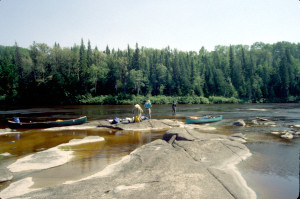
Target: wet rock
297, 134
270, 123
239, 137
180, 133
152, 124
239, 123
254, 122
4, 154
107, 124
288, 136
275, 133
5, 130
5, 175
262, 119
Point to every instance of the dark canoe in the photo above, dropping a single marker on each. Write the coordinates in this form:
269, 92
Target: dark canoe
48, 124
201, 120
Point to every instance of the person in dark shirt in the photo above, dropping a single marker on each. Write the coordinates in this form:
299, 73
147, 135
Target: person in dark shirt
174, 107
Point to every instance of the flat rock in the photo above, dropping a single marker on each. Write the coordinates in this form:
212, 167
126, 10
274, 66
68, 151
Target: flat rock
288, 136
185, 164
238, 135
152, 124
262, 119
275, 133
239, 123
254, 122
269, 123
5, 175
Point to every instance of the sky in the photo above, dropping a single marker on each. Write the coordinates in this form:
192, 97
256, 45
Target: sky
183, 24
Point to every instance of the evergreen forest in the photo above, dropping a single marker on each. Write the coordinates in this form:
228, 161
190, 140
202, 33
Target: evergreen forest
81, 74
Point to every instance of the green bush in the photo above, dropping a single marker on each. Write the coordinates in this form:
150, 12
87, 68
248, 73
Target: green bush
223, 100
123, 99
293, 99
2, 97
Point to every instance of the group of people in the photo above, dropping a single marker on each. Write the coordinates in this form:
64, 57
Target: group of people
137, 110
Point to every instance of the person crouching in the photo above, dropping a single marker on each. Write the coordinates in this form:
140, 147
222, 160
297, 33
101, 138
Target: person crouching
137, 113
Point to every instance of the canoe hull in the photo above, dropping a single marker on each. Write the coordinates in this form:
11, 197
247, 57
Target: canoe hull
40, 125
203, 120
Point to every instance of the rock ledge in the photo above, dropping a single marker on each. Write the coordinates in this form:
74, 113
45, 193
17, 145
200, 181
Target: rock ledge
184, 164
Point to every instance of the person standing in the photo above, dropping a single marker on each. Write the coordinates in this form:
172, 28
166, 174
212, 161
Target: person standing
174, 107
148, 106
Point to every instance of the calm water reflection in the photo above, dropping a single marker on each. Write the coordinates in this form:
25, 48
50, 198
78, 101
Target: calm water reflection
273, 167
272, 171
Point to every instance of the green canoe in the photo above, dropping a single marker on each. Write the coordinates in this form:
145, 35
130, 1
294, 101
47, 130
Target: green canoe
204, 119
48, 124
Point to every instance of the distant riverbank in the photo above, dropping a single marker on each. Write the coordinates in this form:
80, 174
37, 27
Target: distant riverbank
160, 99
129, 99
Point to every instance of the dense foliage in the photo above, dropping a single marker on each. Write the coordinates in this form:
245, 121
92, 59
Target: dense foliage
80, 74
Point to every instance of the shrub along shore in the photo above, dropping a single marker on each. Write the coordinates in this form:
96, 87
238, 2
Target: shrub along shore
160, 99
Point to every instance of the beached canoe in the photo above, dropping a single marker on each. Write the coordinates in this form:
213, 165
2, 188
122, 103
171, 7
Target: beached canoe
48, 124
205, 119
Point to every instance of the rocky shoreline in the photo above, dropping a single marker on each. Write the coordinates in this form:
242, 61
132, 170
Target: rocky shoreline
186, 163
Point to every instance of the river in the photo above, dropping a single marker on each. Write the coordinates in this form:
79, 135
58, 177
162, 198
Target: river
272, 171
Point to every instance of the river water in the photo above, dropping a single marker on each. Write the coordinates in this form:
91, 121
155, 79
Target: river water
272, 171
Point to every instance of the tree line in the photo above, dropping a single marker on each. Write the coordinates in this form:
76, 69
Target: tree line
66, 75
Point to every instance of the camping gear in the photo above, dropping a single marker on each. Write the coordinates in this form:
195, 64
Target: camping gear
137, 119
116, 120
16, 119
144, 118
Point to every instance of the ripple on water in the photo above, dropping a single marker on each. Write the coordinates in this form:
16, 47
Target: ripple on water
272, 170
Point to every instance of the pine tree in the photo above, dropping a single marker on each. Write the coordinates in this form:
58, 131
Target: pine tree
107, 50
89, 55
19, 64
83, 68
136, 58
284, 77
231, 62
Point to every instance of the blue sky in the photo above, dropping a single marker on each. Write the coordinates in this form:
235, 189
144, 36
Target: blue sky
185, 25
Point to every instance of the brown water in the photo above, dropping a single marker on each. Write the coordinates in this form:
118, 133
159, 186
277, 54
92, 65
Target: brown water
89, 158
272, 171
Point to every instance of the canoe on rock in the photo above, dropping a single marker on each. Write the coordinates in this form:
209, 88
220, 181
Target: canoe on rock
204, 119
38, 125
